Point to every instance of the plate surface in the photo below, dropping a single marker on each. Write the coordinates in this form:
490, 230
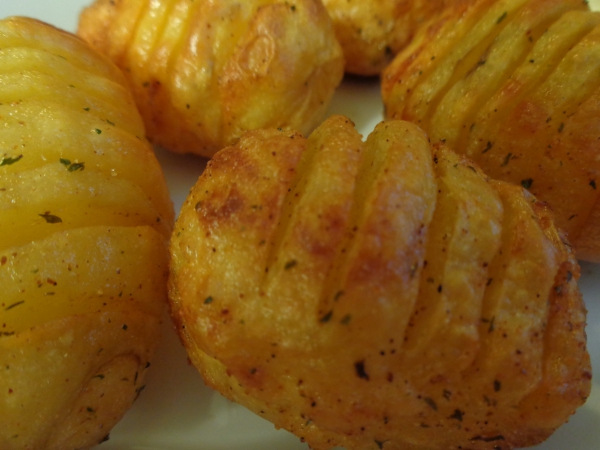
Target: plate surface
176, 411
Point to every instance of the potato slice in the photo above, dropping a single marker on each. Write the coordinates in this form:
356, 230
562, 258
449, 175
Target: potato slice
515, 309
38, 133
65, 195
463, 239
80, 271
27, 73
25, 32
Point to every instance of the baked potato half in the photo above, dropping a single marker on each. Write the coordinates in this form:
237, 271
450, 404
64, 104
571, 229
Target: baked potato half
85, 217
203, 72
372, 32
513, 85
378, 295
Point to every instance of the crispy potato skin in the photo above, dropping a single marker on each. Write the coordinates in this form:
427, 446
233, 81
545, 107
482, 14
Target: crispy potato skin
203, 72
513, 85
378, 294
371, 32
85, 216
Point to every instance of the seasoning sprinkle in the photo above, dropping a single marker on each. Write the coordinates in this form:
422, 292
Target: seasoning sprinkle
527, 183
14, 305
291, 263
7, 160
50, 218
507, 159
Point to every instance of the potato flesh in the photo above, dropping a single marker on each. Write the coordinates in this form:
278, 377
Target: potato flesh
374, 354
203, 72
519, 98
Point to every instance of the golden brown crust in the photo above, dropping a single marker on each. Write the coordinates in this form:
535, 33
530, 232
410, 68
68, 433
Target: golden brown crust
512, 86
203, 72
378, 295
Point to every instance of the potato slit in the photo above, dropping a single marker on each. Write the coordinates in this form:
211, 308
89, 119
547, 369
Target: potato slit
82, 99
314, 221
515, 313
147, 30
296, 189
496, 64
546, 55
461, 60
464, 237
369, 271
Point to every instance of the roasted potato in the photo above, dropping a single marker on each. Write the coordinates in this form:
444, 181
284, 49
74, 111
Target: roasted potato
203, 72
85, 218
378, 294
371, 32
513, 85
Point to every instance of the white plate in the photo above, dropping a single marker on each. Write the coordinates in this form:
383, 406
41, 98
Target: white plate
176, 411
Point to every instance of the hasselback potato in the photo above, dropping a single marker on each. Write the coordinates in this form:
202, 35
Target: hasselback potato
203, 72
378, 295
371, 32
514, 85
85, 218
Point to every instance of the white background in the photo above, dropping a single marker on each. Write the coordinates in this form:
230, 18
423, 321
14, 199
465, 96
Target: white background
176, 411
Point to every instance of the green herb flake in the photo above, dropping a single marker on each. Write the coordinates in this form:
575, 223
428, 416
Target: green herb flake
359, 367
98, 131
488, 147
458, 415
14, 305
501, 18
507, 159
346, 319
110, 123
291, 263
208, 300
430, 402
593, 184
50, 218
526, 183
327, 317
65, 162
76, 166
7, 160
497, 386
86, 109
491, 327
561, 127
